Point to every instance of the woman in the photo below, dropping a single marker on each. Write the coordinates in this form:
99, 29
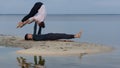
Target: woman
37, 15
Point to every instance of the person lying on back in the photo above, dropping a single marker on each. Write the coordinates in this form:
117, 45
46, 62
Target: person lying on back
51, 36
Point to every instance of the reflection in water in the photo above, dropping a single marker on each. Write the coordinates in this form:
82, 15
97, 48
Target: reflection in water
38, 63
82, 54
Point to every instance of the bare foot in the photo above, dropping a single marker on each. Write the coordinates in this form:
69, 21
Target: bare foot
78, 35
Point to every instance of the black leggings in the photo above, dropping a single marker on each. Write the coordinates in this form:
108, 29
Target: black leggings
33, 11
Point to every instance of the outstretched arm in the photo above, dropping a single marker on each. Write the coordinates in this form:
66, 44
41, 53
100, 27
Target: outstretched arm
21, 24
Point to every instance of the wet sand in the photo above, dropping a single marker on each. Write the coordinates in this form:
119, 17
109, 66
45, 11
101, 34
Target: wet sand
53, 48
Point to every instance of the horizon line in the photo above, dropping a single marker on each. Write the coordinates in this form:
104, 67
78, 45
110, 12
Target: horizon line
64, 14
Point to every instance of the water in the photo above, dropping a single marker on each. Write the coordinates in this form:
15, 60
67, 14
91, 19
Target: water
101, 29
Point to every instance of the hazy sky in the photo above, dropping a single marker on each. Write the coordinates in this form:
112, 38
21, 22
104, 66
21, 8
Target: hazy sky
62, 6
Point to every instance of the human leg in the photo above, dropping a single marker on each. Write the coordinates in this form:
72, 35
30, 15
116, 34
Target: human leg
33, 11
56, 36
52, 36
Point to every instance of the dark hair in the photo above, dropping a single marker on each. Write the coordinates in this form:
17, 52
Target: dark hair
26, 37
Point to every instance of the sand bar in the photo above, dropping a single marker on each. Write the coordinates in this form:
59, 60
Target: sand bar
52, 48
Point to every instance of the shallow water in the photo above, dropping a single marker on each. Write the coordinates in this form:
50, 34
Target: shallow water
101, 29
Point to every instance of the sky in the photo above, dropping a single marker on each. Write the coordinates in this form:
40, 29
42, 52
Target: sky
62, 6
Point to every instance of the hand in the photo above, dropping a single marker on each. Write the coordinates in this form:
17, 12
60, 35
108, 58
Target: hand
42, 24
20, 25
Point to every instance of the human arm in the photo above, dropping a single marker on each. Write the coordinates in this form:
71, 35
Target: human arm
20, 24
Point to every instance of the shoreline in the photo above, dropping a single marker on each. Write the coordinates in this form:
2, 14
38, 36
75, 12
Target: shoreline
53, 48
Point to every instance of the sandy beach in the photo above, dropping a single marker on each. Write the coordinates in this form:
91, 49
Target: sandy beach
52, 48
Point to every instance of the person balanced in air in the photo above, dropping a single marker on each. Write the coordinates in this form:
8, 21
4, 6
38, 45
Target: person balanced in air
37, 15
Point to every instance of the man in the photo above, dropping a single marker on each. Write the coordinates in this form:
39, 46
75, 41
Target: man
37, 15
51, 36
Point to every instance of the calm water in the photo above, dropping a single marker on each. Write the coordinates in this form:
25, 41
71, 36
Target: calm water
101, 29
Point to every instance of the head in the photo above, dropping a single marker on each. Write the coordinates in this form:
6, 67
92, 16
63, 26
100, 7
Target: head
28, 37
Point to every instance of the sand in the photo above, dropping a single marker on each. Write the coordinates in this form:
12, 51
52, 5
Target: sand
53, 48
